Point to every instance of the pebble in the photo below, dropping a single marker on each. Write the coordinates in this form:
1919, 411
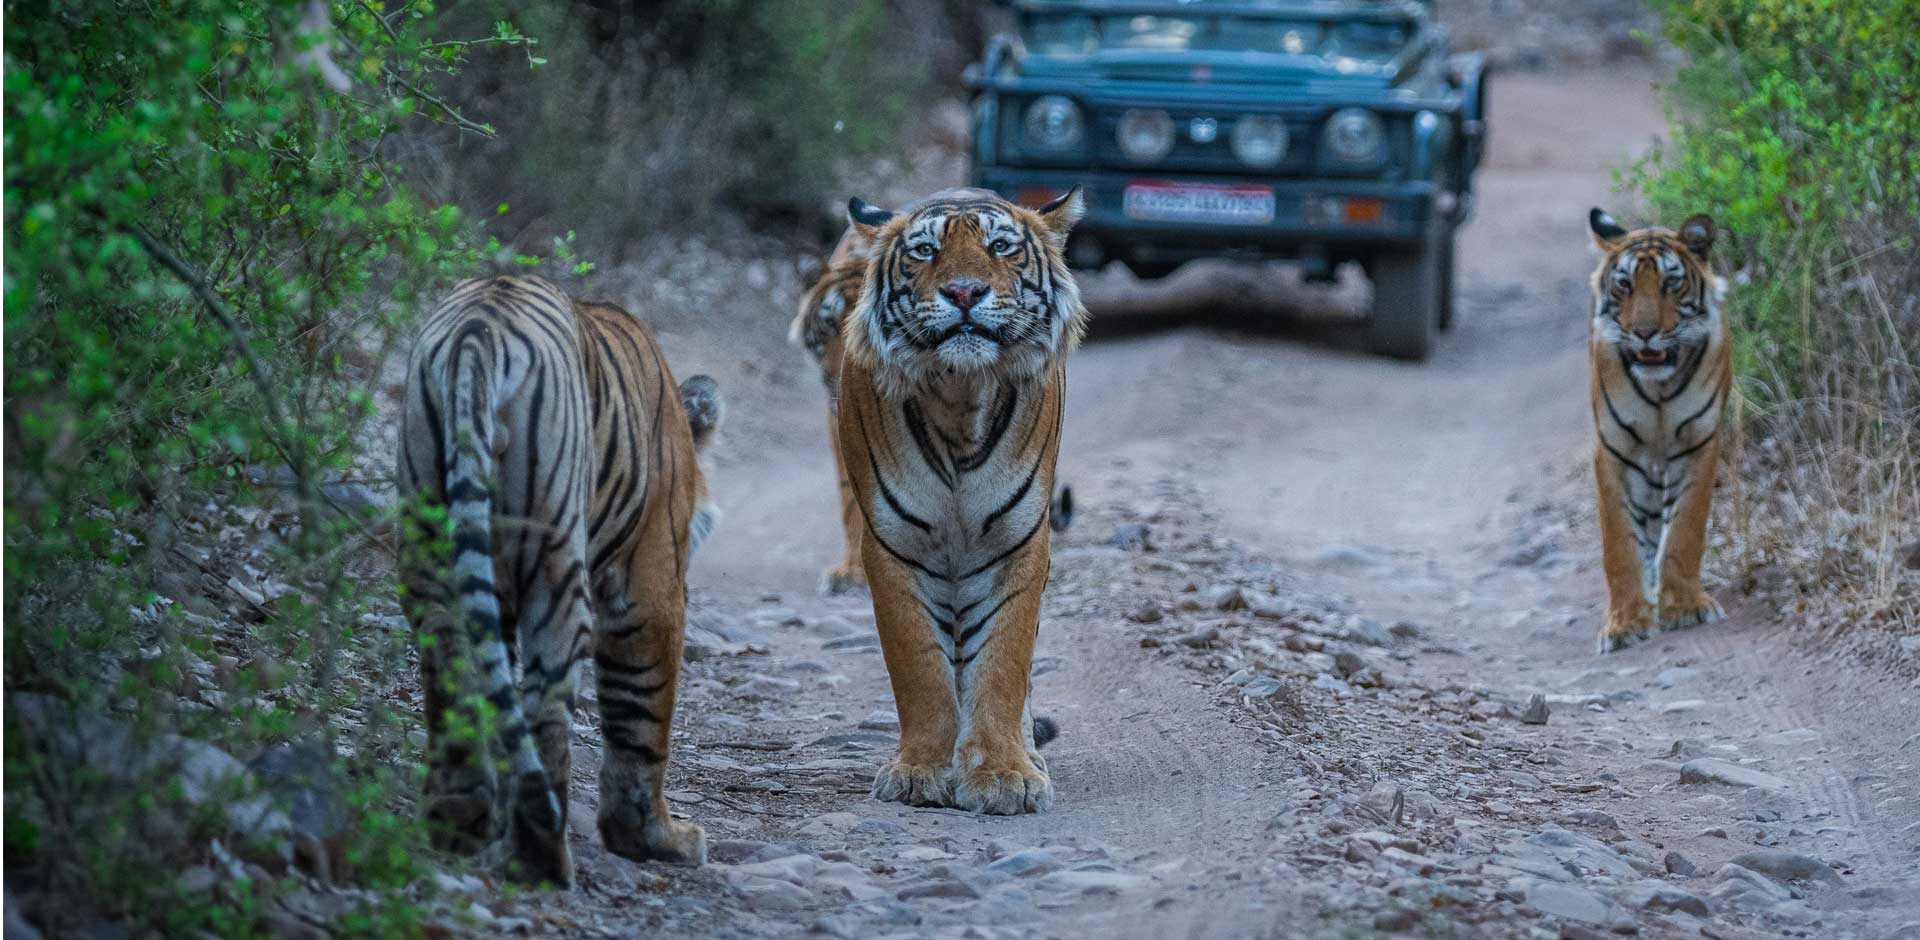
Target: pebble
1263, 687
1351, 556
881, 720
1677, 864
1673, 675
1026, 862
1084, 881
1368, 631
769, 687
1147, 612
1578, 904
1660, 896
1714, 770
1684, 705
864, 641
1536, 712
1786, 866
1594, 818
939, 888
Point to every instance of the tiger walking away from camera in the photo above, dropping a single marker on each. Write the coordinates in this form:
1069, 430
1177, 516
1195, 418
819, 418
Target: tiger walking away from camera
1661, 378
818, 326
951, 389
551, 434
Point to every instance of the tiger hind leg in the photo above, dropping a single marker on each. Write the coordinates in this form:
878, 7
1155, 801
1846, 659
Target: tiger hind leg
462, 788
558, 638
636, 658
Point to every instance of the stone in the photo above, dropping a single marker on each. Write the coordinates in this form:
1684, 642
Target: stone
1581, 853
1084, 881
1747, 889
1786, 866
1684, 705
1673, 675
1594, 818
829, 825
1406, 629
1716, 771
1351, 557
1131, 537
1571, 903
1536, 712
938, 888
1677, 864
881, 720
1659, 896
1225, 597
1263, 687
1348, 664
1368, 631
864, 641
1026, 862
767, 687
1146, 612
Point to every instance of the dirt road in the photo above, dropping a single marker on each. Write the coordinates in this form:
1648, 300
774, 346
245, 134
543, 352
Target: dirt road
1288, 642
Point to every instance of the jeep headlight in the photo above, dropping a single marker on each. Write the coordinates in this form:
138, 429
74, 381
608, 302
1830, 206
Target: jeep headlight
1145, 135
1355, 135
1054, 123
1260, 140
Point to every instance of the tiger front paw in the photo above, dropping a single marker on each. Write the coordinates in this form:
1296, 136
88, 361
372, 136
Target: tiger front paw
459, 807
913, 784
643, 837
1005, 788
842, 579
1624, 630
1681, 613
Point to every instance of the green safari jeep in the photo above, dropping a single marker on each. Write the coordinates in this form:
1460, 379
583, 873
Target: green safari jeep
1314, 131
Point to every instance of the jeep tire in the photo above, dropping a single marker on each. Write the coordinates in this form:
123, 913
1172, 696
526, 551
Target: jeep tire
1407, 304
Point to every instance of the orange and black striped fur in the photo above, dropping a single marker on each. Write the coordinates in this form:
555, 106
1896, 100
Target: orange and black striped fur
818, 326
1661, 378
552, 436
951, 392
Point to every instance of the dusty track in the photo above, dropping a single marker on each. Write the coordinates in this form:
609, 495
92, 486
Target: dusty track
1233, 413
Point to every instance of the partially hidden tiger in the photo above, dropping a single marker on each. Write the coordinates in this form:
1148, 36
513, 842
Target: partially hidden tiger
547, 440
951, 387
1662, 375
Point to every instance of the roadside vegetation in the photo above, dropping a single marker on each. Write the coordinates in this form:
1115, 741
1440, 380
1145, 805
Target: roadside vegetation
1797, 126
222, 219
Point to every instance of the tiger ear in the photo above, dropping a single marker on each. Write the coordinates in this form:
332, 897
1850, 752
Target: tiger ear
1060, 214
1697, 234
1606, 232
867, 220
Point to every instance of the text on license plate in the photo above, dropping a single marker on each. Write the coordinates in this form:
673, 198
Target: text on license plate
1172, 202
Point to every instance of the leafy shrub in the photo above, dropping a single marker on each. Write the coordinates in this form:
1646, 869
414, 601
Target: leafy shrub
1799, 129
208, 251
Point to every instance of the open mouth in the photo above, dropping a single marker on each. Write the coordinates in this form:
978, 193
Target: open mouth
1652, 357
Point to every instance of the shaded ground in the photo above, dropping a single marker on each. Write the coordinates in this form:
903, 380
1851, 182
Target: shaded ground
1288, 642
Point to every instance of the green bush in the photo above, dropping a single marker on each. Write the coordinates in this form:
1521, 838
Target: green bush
209, 249
1798, 128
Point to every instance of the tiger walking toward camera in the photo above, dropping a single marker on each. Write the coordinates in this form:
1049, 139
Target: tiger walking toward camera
552, 437
1662, 374
952, 384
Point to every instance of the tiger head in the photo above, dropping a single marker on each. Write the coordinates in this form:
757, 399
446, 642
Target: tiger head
1654, 297
965, 283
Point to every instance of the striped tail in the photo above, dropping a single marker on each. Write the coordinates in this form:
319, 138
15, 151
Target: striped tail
471, 473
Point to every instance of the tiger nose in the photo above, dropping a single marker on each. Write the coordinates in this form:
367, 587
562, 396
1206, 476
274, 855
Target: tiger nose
1646, 332
964, 292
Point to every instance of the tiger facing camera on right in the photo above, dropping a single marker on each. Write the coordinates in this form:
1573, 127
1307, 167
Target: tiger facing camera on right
1661, 378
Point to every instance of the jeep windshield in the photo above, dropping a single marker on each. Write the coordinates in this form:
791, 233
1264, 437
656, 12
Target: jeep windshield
1090, 34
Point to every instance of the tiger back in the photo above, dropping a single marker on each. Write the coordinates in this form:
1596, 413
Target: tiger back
952, 388
1662, 374
565, 460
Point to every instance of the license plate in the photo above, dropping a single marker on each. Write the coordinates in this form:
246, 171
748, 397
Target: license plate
1197, 202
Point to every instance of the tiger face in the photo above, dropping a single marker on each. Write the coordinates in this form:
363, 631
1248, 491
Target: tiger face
1655, 299
965, 283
